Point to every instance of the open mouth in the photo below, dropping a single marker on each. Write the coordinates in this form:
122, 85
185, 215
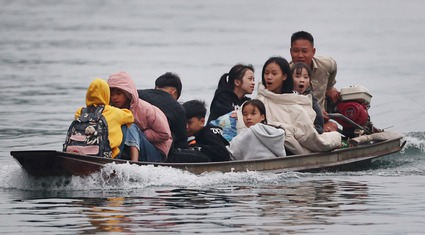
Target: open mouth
301, 86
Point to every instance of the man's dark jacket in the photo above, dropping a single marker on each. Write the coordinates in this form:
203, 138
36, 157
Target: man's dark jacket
173, 110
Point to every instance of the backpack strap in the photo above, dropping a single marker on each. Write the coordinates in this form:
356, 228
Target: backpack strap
99, 115
91, 113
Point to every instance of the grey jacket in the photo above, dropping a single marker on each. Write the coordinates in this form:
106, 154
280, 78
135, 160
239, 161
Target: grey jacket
258, 142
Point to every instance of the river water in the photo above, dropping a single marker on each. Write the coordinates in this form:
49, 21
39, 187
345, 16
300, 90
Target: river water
51, 50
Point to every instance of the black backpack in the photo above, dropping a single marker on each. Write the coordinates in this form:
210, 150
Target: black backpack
88, 135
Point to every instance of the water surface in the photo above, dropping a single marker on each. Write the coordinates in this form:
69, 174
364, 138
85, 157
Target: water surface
50, 51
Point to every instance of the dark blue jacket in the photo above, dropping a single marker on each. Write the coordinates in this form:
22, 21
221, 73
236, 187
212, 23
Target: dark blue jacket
173, 110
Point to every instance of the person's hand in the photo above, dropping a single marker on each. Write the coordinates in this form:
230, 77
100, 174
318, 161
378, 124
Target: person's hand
325, 116
333, 95
234, 114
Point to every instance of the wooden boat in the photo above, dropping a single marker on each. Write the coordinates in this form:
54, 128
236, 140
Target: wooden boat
363, 149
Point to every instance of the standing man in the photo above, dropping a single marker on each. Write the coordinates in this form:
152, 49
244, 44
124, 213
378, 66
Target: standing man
323, 68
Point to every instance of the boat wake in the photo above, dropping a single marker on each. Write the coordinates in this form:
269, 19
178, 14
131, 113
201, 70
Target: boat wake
409, 161
415, 143
125, 177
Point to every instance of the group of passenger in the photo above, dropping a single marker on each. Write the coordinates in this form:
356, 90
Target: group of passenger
287, 117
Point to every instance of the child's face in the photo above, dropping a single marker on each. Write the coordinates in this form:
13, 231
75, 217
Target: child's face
301, 81
251, 115
247, 84
274, 77
119, 99
194, 125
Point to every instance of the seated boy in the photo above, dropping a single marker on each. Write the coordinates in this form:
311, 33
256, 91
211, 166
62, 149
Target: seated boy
206, 140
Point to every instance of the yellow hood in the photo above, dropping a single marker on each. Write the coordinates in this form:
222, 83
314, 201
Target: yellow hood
98, 93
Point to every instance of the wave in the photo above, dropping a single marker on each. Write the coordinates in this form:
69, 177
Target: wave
132, 177
127, 177
415, 143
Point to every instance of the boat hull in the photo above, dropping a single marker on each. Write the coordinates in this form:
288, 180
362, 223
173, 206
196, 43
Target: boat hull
43, 163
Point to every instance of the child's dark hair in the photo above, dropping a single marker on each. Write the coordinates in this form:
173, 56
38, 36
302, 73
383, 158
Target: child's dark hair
170, 79
227, 81
258, 104
298, 68
195, 108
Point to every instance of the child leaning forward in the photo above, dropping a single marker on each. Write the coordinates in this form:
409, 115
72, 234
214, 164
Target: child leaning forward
149, 139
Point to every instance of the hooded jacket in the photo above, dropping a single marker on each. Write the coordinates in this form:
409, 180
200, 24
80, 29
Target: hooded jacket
295, 114
98, 93
150, 119
260, 141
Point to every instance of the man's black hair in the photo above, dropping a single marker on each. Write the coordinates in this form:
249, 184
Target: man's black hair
302, 35
171, 80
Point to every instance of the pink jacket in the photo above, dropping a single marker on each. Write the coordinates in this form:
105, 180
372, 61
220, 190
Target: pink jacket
150, 119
